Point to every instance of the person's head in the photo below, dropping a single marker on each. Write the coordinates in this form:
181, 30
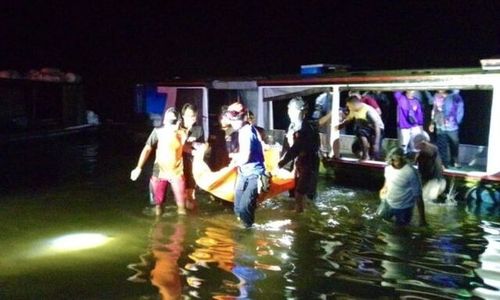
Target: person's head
354, 103
396, 158
354, 93
189, 114
442, 92
171, 118
420, 139
297, 109
237, 115
410, 94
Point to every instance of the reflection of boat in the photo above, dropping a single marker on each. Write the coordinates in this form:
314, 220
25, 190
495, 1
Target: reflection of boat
39, 109
267, 98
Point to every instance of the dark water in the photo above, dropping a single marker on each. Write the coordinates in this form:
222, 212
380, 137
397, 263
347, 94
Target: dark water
78, 189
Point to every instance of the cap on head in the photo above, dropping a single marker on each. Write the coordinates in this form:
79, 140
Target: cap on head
297, 103
236, 111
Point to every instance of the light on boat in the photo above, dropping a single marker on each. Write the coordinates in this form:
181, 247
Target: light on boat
78, 241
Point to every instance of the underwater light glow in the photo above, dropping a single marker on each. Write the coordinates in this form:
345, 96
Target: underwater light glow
79, 241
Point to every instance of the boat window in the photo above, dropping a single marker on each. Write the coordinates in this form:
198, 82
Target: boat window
434, 111
473, 128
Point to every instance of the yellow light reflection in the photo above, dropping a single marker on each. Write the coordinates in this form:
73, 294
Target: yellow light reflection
78, 241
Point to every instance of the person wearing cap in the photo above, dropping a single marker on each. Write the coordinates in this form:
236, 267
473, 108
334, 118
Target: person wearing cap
303, 147
430, 167
194, 134
402, 190
368, 128
168, 169
249, 160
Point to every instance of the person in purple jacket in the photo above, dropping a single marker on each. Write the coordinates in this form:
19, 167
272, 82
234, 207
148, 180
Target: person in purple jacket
410, 118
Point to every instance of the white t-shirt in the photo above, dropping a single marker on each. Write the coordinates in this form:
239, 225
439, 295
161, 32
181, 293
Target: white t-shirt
403, 186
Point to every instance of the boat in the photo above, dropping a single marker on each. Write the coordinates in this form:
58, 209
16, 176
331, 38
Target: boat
37, 110
267, 97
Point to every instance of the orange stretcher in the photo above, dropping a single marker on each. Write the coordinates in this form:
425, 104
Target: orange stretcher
221, 183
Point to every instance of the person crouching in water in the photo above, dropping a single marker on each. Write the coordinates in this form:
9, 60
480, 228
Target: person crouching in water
401, 191
168, 167
430, 167
303, 143
250, 163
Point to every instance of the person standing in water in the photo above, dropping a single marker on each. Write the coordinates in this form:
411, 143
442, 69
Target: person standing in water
168, 142
402, 190
249, 159
194, 134
303, 148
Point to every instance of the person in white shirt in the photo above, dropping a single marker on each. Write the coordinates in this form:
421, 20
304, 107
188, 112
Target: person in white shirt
402, 190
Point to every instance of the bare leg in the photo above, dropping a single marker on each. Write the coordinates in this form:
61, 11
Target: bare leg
366, 148
191, 199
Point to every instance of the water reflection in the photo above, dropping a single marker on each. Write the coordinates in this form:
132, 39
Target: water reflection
337, 249
233, 253
490, 263
160, 263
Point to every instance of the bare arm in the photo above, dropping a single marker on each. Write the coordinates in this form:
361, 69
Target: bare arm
145, 153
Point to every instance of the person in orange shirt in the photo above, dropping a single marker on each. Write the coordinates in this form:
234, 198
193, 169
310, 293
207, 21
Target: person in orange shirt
168, 142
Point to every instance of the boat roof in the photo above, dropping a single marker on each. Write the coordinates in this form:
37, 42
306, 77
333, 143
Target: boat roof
338, 77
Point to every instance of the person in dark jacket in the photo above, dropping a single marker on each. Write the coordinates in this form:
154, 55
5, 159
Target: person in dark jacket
303, 147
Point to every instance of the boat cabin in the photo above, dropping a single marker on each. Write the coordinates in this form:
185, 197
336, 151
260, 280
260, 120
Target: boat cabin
326, 94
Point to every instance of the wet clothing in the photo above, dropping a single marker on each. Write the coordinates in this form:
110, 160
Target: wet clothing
194, 135
246, 189
402, 216
246, 198
168, 166
429, 162
168, 144
403, 186
304, 153
158, 188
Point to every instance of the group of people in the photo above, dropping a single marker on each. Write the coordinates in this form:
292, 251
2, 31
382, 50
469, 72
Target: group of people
179, 136
173, 144
364, 114
176, 140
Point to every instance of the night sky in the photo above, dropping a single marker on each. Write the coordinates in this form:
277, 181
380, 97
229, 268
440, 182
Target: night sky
114, 45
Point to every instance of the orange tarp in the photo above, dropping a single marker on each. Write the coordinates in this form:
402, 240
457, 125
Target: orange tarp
221, 183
